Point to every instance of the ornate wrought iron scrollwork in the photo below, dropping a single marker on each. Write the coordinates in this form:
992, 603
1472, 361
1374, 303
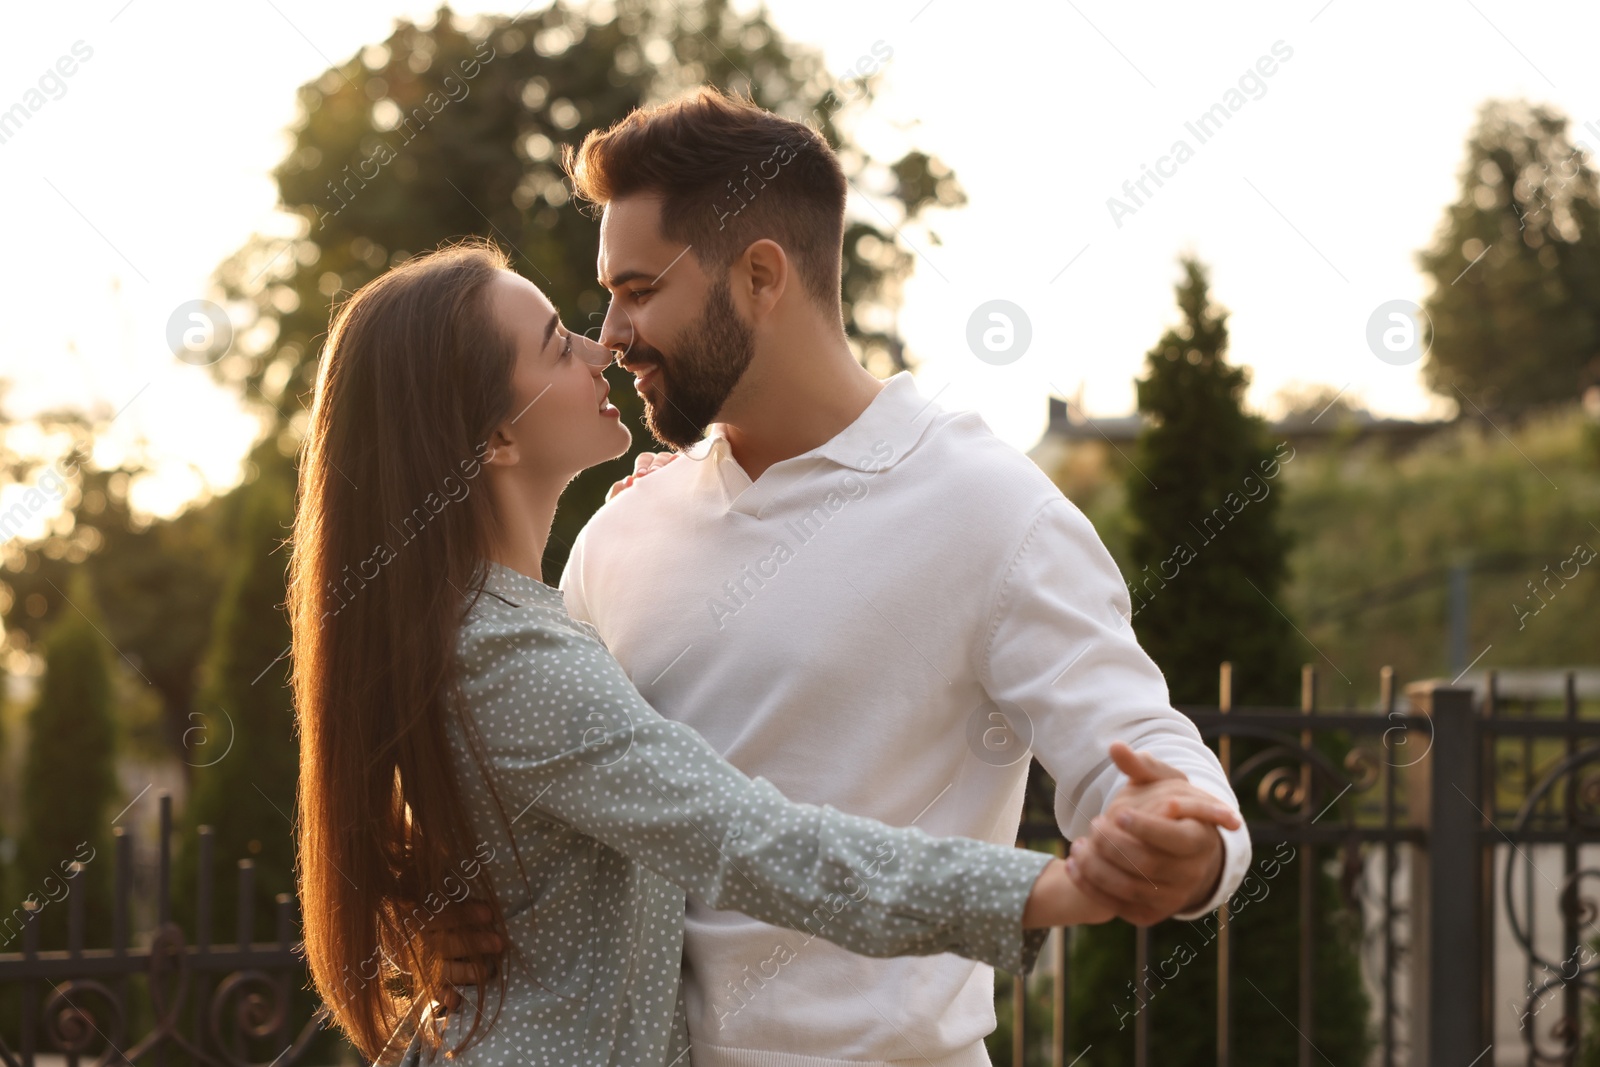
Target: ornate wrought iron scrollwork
1277, 773
1364, 767
1281, 791
1282, 794
1583, 773
260, 1009
247, 1006
70, 1023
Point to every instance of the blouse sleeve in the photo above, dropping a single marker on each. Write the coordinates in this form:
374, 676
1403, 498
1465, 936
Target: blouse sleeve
568, 737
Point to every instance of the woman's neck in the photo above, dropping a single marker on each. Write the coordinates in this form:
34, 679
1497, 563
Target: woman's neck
524, 511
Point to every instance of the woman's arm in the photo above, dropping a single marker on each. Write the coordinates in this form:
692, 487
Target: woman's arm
569, 737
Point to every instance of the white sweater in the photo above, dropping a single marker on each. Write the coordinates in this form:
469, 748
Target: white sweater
889, 624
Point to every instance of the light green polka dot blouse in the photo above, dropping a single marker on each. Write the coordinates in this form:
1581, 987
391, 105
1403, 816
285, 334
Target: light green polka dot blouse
617, 813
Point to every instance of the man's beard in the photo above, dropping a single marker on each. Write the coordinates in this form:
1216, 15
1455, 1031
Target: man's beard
686, 393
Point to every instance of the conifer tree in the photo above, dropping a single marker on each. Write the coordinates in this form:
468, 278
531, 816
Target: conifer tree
242, 743
69, 782
1208, 558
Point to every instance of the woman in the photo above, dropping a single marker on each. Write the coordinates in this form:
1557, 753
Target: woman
461, 734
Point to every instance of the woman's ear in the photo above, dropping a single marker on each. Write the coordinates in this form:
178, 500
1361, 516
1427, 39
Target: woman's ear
502, 449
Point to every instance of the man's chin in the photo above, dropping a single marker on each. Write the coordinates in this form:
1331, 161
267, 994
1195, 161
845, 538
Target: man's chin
671, 434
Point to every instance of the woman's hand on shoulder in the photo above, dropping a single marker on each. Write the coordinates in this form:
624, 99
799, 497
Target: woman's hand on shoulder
643, 464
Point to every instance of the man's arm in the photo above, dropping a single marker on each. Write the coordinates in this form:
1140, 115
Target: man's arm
1063, 665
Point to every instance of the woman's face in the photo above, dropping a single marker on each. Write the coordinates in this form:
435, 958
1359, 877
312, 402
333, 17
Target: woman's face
560, 421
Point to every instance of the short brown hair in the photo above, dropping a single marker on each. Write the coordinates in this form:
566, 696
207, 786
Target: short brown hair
729, 174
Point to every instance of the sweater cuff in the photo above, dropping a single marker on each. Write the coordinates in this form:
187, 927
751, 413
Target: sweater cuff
1236, 854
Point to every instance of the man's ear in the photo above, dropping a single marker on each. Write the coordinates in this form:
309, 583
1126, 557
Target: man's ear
763, 275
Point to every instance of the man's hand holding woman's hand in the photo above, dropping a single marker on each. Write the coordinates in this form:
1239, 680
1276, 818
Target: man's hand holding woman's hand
1156, 850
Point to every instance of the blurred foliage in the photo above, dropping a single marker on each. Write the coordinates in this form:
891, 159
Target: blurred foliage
1376, 530
241, 739
454, 129
156, 582
1378, 533
69, 783
1518, 328
1038, 1021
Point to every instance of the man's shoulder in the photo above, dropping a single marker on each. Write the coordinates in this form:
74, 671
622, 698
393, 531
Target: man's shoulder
649, 500
971, 459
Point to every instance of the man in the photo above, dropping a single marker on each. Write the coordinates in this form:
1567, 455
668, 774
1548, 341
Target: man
871, 602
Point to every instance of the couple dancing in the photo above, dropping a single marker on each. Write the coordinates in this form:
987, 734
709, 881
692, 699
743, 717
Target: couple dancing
743, 790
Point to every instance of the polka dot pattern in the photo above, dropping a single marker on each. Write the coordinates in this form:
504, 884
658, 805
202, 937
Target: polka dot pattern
616, 813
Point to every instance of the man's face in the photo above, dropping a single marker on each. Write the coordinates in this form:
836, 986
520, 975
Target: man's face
674, 327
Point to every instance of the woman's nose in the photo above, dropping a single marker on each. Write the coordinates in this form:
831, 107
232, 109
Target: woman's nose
598, 356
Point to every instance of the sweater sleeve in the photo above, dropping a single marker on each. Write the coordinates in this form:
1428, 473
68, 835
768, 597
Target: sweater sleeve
569, 739
1063, 666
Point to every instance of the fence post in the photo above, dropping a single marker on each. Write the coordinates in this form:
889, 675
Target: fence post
1445, 794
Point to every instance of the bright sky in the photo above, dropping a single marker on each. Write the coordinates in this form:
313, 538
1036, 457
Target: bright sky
149, 164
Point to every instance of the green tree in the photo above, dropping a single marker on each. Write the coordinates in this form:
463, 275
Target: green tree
1208, 558
241, 740
1208, 562
1515, 265
454, 129
69, 782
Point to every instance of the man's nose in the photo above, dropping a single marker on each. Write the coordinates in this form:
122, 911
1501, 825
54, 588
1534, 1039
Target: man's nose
616, 332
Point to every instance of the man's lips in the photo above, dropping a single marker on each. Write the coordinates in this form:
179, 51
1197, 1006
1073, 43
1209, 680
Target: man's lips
641, 373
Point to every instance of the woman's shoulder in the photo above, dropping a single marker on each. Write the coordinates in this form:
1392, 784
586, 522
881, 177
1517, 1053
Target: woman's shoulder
510, 599
535, 681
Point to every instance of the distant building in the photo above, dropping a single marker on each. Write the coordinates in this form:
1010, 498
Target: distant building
1069, 427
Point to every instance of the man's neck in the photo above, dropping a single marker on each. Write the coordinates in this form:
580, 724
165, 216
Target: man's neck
790, 406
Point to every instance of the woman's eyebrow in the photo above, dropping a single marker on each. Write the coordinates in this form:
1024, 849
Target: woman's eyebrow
549, 330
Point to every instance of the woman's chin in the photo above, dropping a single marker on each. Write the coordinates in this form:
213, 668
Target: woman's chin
626, 435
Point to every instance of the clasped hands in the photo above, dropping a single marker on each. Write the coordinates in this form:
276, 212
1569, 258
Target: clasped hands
1155, 850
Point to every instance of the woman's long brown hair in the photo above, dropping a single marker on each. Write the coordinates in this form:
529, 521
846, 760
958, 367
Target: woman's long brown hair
392, 526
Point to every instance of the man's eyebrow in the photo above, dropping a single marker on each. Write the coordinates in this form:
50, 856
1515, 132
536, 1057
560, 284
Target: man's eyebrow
625, 277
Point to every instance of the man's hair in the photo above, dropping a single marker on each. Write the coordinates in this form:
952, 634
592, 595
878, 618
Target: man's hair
729, 173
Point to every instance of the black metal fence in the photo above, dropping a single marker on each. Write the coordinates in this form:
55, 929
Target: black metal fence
1428, 817
217, 1004
1444, 799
